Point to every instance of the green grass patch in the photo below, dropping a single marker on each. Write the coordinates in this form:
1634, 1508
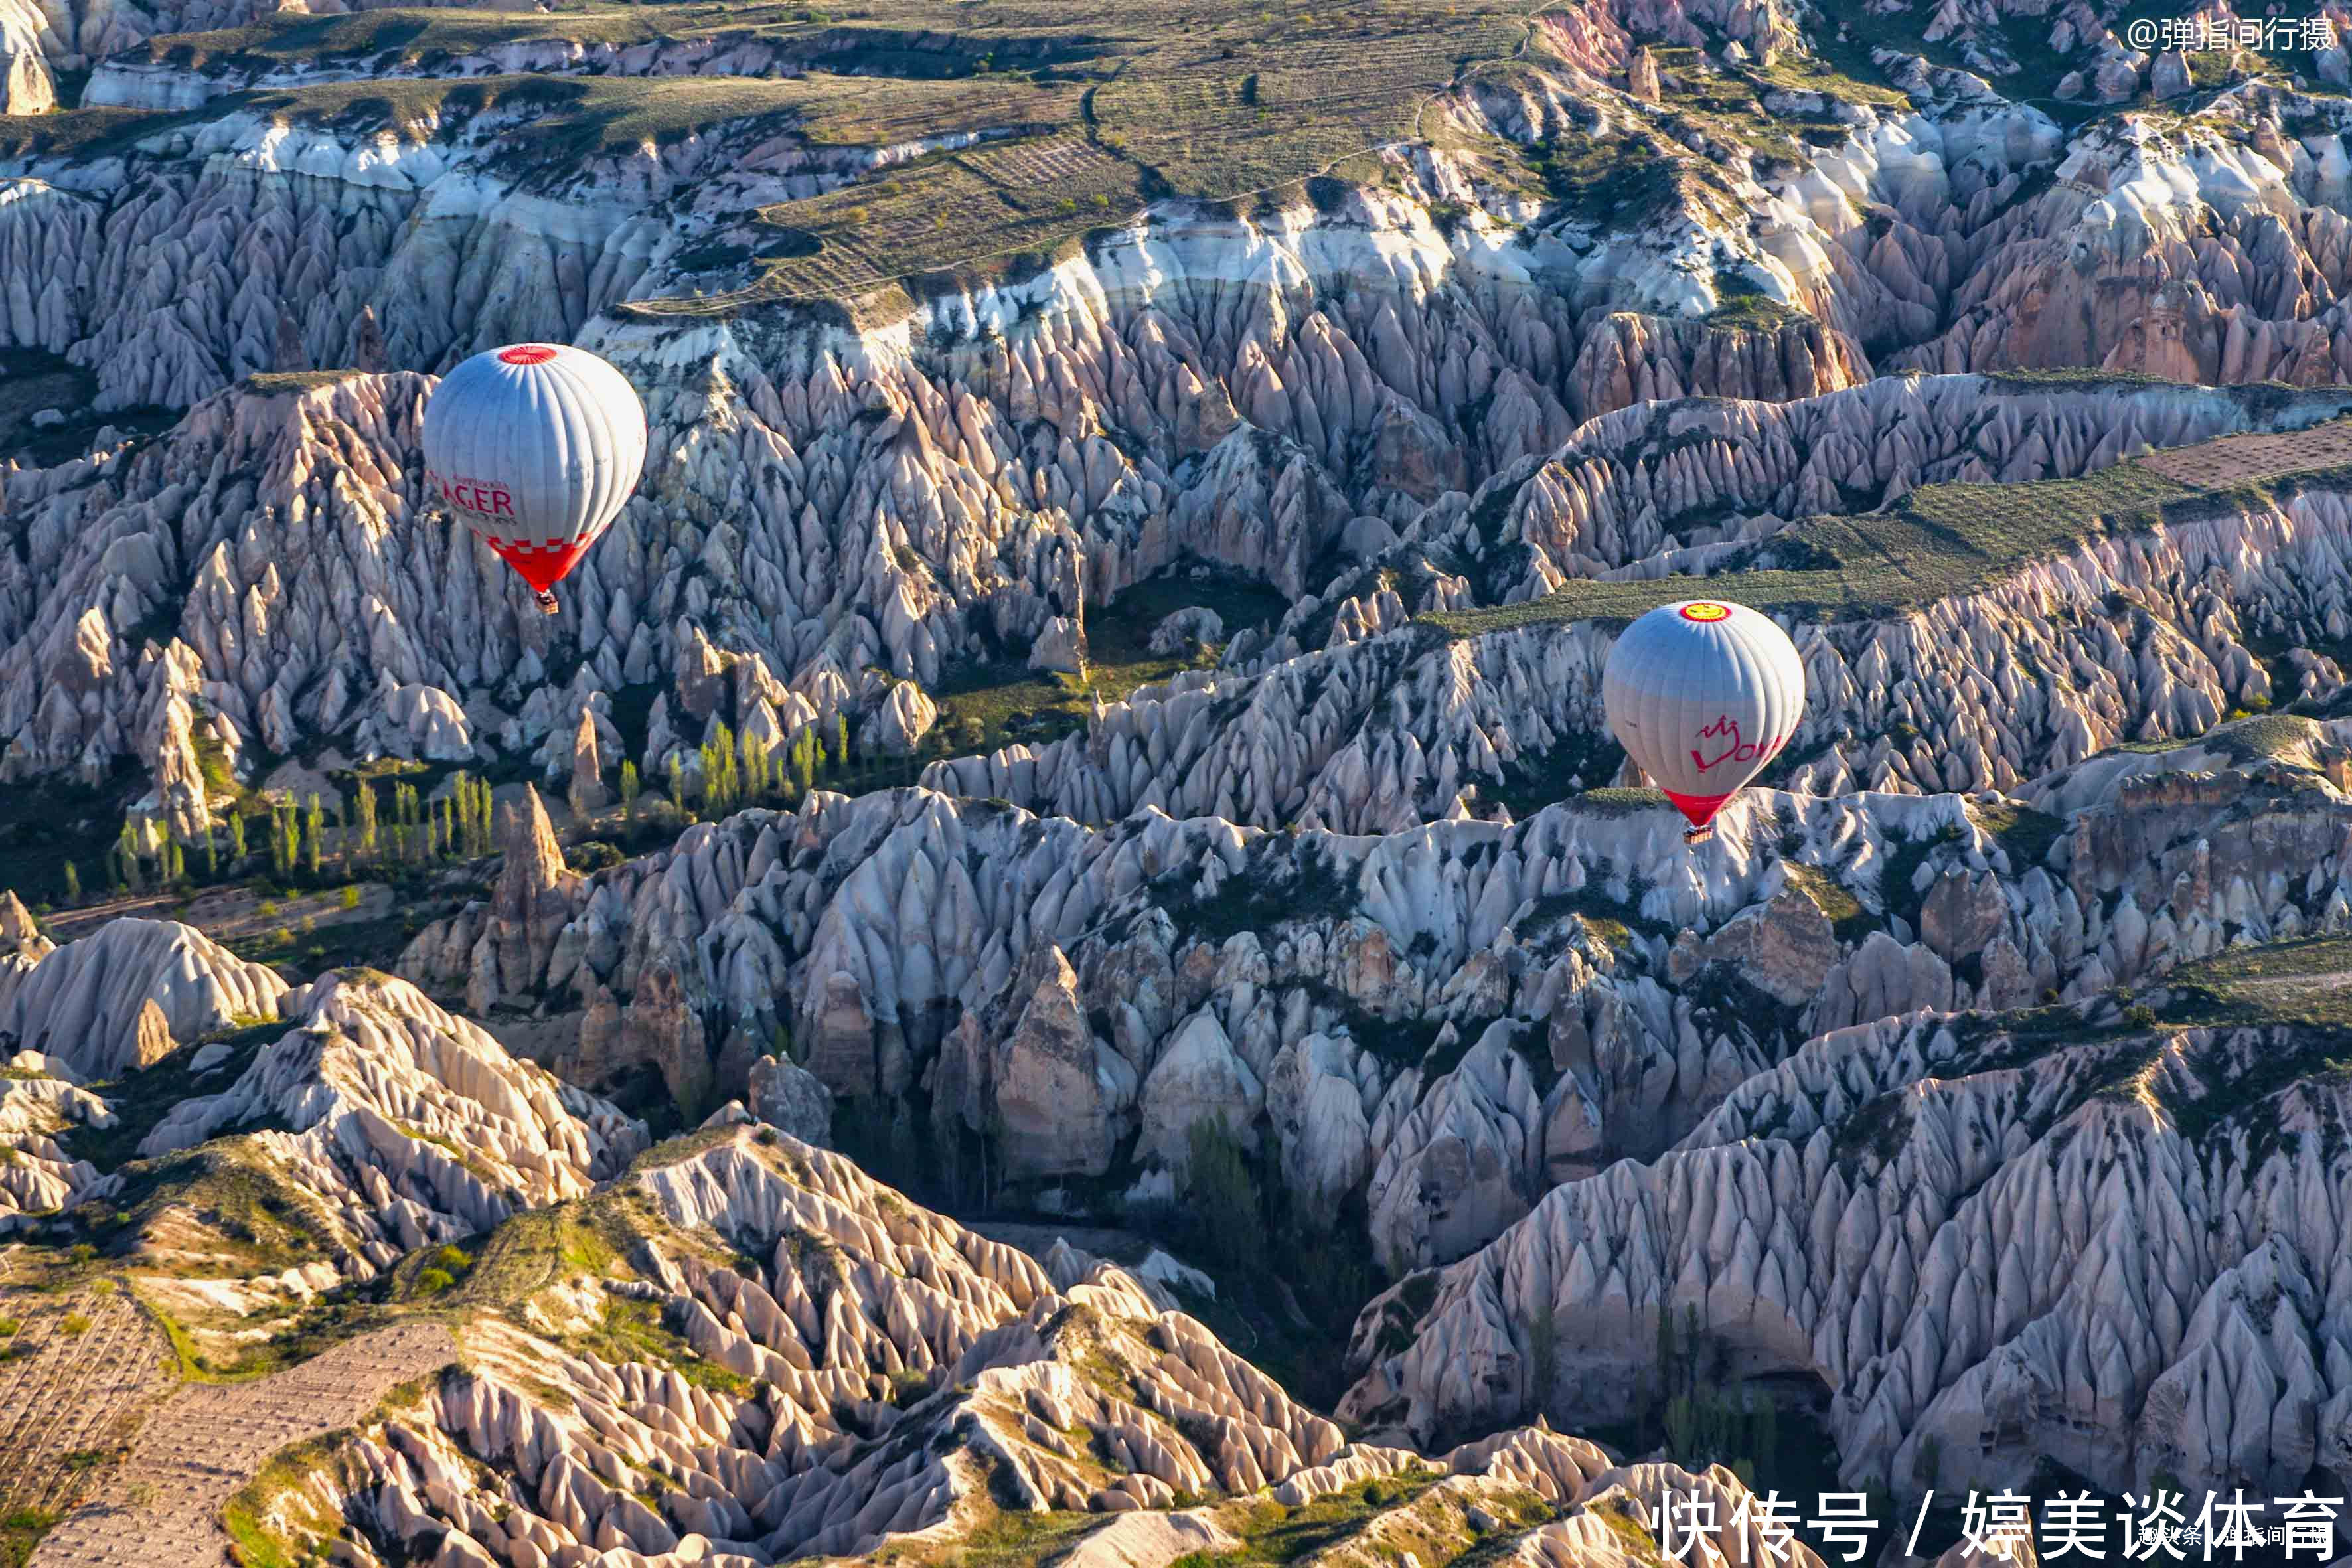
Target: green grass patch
389, 39
306, 1332
21, 1531
1640, 1546
225, 1200
543, 1246
270, 383
432, 1272
2023, 834
1607, 183
1272, 1534
681, 1149
984, 707
1614, 921
1612, 800
1849, 920
1748, 309
87, 133
2305, 983
633, 1330
1007, 1538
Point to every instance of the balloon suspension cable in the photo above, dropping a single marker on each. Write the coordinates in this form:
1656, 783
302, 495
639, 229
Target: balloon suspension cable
1698, 835
547, 604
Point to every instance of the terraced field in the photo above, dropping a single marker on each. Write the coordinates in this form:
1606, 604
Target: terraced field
1946, 539
162, 1504
949, 211
77, 1372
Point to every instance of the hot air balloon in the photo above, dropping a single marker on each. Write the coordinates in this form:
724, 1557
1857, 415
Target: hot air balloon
537, 446
1702, 695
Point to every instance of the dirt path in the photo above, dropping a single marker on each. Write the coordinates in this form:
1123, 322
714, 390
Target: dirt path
161, 1508
232, 912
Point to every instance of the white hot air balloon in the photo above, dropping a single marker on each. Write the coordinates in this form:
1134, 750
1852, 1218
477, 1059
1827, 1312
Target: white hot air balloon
1702, 695
537, 446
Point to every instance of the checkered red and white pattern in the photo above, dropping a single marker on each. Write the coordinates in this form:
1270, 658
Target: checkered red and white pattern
537, 448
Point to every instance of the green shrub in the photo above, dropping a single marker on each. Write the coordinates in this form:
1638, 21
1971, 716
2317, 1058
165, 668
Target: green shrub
433, 1282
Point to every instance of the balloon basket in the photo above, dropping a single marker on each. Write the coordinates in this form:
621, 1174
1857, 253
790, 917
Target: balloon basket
1698, 835
547, 604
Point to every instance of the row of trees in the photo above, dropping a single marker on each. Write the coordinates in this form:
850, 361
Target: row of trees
1702, 1421
740, 771
374, 830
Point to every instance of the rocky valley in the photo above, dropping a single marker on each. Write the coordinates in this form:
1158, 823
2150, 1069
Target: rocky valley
1052, 959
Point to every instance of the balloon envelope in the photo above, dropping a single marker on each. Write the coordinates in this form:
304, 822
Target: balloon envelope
537, 446
1701, 694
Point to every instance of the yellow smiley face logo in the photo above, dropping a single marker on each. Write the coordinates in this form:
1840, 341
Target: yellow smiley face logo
1706, 611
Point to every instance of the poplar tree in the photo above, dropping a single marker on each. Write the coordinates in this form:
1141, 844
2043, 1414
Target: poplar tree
804, 763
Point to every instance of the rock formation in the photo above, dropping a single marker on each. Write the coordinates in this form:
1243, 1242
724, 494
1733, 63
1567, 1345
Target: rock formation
406, 1125
1978, 1073
117, 1000
1150, 401
858, 1374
